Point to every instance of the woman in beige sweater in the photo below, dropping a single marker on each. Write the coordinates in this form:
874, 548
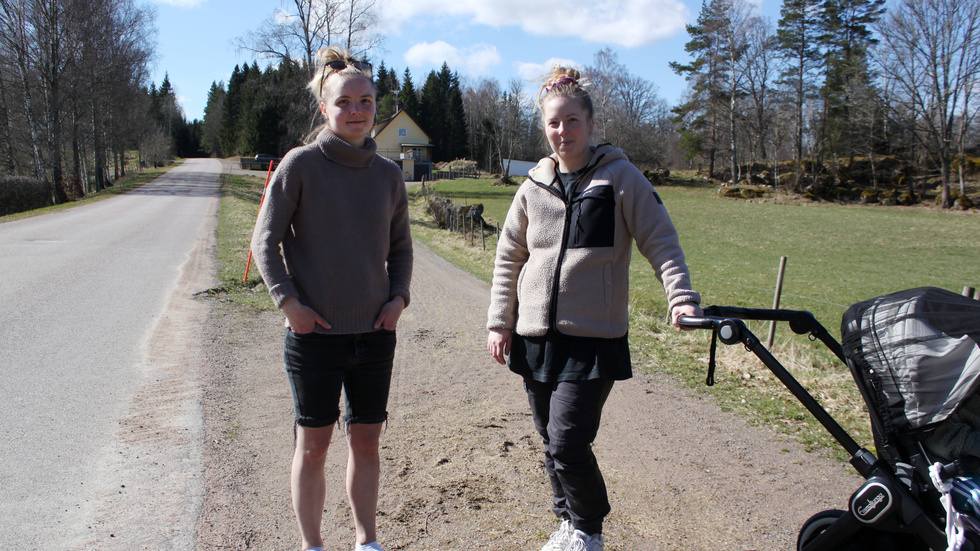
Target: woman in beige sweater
560, 295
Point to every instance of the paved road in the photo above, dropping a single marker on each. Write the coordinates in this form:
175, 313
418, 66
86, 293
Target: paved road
100, 425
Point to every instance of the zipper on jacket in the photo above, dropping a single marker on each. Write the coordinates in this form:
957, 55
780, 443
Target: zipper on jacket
558, 191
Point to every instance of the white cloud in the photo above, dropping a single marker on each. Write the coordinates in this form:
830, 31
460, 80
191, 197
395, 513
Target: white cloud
628, 23
180, 3
478, 60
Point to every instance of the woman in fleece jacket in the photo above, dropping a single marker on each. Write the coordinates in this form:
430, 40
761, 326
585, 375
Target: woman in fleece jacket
339, 212
559, 298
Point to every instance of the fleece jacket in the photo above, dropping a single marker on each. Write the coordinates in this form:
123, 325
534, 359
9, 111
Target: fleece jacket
563, 262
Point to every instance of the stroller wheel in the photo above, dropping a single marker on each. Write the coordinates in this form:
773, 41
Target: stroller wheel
867, 539
816, 525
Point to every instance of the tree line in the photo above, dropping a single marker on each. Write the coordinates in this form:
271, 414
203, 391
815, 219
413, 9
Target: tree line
73, 94
837, 86
836, 92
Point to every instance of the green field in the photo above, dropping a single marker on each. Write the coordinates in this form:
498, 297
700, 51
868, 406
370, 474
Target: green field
837, 255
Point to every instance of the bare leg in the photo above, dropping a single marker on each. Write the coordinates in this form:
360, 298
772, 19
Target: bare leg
363, 472
308, 482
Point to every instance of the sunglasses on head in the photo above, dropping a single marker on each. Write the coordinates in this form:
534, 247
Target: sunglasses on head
340, 65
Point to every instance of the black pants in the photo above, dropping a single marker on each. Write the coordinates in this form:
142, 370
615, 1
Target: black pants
567, 416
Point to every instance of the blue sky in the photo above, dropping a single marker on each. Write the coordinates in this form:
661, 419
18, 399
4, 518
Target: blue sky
500, 39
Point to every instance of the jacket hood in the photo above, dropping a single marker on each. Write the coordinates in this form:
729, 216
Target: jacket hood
544, 172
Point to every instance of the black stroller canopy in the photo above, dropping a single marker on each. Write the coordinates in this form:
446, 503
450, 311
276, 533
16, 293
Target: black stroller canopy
918, 350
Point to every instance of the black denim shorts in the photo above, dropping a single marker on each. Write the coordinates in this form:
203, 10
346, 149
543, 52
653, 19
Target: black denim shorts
319, 366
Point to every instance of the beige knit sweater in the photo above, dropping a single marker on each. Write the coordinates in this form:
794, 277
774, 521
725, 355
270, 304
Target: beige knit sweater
566, 265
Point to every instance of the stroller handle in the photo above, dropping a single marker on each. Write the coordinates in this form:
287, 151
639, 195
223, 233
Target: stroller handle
730, 329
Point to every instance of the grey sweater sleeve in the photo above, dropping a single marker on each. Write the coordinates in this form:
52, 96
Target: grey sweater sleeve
278, 205
400, 255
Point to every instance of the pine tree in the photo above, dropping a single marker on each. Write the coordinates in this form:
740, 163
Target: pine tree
847, 36
230, 114
702, 113
211, 131
442, 116
458, 139
797, 37
408, 97
386, 83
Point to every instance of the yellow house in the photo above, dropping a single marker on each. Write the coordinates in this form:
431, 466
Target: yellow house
403, 141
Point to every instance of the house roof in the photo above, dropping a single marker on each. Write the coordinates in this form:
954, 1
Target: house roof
380, 127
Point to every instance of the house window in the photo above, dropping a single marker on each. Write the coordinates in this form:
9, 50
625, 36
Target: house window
402, 132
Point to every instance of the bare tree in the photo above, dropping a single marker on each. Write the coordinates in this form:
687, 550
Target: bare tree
967, 116
502, 123
518, 111
360, 22
760, 72
306, 26
17, 35
629, 111
735, 23
931, 52
482, 111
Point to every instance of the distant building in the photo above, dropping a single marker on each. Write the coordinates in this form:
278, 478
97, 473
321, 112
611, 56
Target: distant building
403, 141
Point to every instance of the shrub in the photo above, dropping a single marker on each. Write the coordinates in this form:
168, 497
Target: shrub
971, 166
786, 179
508, 181
657, 176
20, 193
870, 196
741, 192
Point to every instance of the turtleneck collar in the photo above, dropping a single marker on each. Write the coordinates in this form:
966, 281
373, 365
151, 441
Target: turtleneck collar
339, 151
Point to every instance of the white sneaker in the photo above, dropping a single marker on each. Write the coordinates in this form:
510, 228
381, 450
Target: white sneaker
373, 546
561, 537
584, 542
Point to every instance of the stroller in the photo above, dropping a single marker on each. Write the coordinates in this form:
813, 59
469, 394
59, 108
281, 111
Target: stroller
915, 357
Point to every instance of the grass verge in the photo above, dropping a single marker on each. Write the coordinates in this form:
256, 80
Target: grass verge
124, 185
240, 200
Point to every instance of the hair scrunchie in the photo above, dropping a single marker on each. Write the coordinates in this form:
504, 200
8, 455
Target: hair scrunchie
558, 82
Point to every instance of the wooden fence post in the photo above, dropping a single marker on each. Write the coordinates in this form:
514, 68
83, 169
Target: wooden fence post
775, 299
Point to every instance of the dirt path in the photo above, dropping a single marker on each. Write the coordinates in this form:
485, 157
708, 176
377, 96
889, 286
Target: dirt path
462, 467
